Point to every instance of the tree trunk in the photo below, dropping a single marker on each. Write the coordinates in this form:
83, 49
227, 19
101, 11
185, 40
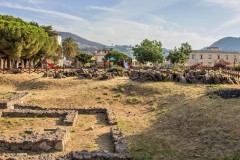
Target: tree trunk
4, 63
16, 64
1, 63
25, 63
9, 63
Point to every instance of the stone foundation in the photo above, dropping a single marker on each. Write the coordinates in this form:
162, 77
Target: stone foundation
46, 142
53, 140
70, 117
110, 115
15, 98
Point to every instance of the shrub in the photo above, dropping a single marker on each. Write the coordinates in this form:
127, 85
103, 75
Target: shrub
134, 100
177, 68
237, 68
116, 69
222, 64
196, 66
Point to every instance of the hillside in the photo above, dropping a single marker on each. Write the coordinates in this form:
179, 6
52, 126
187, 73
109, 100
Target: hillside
228, 44
84, 44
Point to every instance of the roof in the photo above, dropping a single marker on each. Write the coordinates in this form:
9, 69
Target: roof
210, 51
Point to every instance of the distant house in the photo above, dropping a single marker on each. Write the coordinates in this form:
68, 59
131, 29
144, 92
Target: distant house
213, 55
58, 38
99, 55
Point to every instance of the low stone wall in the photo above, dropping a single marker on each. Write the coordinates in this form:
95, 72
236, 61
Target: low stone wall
96, 155
15, 98
46, 142
25, 156
87, 110
70, 117
110, 115
120, 142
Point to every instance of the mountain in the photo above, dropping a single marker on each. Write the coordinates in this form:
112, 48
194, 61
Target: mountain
228, 44
127, 49
84, 44
89, 46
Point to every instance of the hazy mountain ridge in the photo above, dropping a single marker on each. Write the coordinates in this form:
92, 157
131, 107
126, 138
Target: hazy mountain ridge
228, 44
84, 44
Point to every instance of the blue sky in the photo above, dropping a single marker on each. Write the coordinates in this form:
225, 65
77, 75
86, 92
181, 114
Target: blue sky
199, 22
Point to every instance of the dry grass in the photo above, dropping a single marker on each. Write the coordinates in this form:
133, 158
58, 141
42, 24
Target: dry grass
18, 126
160, 120
90, 133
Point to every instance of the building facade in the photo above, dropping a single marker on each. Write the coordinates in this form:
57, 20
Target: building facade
58, 38
99, 55
213, 55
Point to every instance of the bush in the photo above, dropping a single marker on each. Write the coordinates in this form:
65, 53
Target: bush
177, 68
237, 68
134, 100
222, 64
116, 69
196, 66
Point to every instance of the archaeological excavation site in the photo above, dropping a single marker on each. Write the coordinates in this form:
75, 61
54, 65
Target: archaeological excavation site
35, 132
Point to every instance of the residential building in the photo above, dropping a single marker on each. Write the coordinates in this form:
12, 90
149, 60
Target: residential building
213, 55
99, 55
58, 38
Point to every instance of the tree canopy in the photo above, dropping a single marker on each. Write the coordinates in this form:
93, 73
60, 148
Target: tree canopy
118, 56
70, 48
20, 39
148, 51
180, 55
83, 57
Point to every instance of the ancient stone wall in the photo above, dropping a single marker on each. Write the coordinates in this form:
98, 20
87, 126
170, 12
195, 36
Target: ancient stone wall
36, 142
55, 139
15, 98
70, 117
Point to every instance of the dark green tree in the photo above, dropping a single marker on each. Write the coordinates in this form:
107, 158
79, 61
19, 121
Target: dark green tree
180, 55
118, 56
20, 39
83, 57
149, 51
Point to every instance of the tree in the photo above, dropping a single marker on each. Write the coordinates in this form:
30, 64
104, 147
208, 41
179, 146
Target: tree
118, 56
180, 55
20, 39
83, 57
70, 48
148, 51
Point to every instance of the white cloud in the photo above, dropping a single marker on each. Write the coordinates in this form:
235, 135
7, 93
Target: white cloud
49, 12
101, 8
34, 1
128, 22
235, 4
231, 4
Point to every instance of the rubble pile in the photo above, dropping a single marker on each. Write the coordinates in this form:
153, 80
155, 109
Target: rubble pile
194, 77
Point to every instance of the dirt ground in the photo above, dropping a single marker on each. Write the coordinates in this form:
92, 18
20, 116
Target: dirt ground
162, 120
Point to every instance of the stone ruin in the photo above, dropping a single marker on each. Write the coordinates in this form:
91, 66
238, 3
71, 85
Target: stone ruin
11, 98
55, 139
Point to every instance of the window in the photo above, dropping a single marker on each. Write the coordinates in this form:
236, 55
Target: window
218, 56
201, 56
210, 56
226, 57
193, 56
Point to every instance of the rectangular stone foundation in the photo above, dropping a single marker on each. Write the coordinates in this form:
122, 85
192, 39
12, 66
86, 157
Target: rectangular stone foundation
15, 98
46, 142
